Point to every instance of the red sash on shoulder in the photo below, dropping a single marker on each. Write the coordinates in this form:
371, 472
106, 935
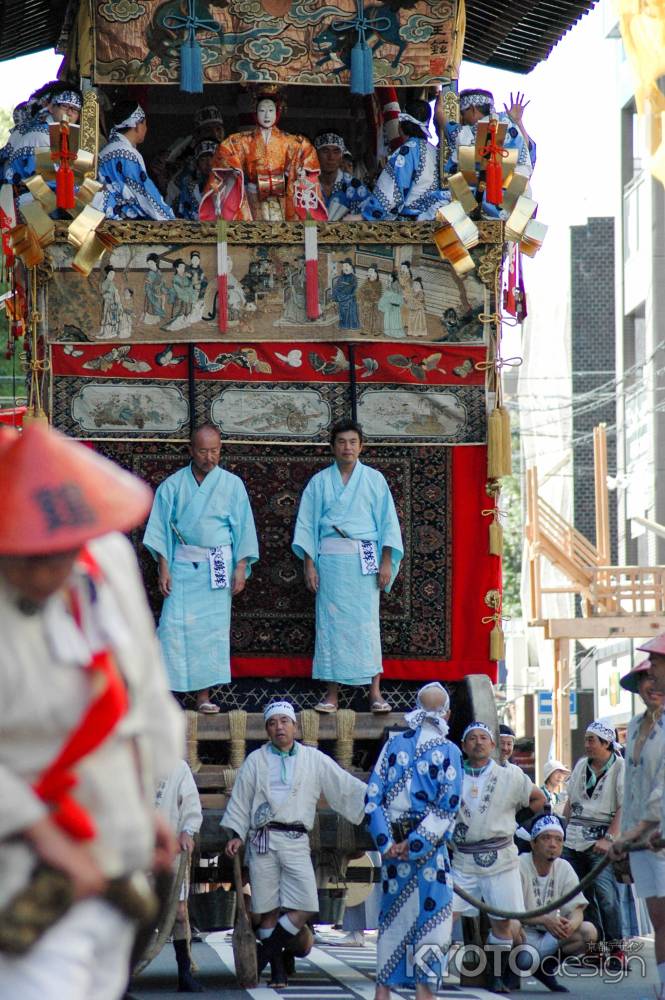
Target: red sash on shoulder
99, 720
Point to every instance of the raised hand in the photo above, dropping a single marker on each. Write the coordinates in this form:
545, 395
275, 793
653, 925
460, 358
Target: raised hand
517, 107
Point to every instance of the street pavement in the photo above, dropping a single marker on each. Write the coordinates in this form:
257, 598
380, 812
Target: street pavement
336, 972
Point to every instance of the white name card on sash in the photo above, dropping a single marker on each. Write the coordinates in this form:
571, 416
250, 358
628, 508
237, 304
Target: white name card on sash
368, 560
219, 574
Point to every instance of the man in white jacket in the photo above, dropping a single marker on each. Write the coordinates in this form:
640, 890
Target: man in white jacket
274, 802
87, 726
178, 801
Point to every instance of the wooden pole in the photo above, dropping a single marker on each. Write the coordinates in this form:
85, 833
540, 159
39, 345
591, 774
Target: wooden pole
561, 700
601, 494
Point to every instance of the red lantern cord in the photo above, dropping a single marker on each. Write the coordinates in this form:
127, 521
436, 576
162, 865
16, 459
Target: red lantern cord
64, 180
493, 170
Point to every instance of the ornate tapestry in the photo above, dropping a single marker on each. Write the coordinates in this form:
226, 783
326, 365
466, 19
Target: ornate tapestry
275, 614
156, 292
270, 392
284, 41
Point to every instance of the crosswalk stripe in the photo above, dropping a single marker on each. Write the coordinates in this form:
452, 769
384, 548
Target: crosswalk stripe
217, 941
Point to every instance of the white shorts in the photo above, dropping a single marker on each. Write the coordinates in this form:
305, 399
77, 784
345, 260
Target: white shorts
503, 889
84, 956
648, 871
284, 877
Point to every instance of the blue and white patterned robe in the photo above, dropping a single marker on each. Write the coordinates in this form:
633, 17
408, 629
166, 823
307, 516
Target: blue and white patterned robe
128, 191
465, 135
19, 153
346, 197
408, 186
417, 779
189, 196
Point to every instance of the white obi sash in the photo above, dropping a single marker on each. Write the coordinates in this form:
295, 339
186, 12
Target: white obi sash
367, 551
218, 558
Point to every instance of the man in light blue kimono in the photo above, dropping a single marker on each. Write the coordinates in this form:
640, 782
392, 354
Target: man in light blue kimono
201, 532
413, 797
349, 539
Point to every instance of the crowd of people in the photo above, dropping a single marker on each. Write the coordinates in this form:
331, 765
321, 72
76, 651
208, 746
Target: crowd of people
263, 172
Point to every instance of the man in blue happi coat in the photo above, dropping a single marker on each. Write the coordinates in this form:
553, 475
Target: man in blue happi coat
413, 796
63, 102
349, 539
201, 532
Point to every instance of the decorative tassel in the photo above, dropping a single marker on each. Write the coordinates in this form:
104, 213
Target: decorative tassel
191, 58
495, 445
362, 68
496, 539
497, 642
311, 270
493, 169
222, 276
506, 442
64, 178
191, 67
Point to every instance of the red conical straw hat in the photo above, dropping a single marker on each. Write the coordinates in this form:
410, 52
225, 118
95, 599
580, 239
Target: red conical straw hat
655, 645
57, 494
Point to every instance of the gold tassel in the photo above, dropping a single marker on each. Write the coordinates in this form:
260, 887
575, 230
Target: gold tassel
506, 442
497, 642
496, 539
495, 444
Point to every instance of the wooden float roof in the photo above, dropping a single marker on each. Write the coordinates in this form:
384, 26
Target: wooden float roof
507, 34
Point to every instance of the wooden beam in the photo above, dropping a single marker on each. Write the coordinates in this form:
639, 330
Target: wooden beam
623, 626
561, 700
368, 726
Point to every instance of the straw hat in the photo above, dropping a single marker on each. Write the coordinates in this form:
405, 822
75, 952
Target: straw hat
656, 645
630, 681
57, 494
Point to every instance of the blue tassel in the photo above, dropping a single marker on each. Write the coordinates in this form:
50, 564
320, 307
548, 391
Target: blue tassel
362, 74
191, 67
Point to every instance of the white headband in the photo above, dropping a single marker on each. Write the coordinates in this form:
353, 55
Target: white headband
476, 99
137, 116
279, 708
404, 117
67, 97
550, 822
602, 731
435, 716
477, 725
330, 139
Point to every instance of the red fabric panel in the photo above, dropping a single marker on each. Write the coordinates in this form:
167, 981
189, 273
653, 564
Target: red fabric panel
474, 573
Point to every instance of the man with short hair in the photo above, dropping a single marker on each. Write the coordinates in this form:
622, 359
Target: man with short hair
342, 192
593, 811
485, 863
506, 743
128, 192
273, 802
349, 539
546, 876
87, 726
201, 533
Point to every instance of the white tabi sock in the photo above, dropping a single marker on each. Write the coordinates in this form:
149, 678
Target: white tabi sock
288, 925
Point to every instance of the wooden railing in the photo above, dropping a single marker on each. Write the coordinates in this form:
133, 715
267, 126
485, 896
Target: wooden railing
628, 590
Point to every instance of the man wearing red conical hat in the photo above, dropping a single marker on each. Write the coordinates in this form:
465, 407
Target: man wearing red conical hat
642, 802
87, 725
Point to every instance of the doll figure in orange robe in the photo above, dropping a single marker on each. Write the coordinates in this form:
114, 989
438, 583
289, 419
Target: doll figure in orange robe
265, 175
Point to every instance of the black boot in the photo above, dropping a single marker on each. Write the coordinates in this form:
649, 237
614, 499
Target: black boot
289, 960
186, 981
273, 946
510, 979
549, 980
495, 984
278, 979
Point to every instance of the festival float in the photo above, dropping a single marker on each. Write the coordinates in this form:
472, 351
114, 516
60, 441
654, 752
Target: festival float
272, 318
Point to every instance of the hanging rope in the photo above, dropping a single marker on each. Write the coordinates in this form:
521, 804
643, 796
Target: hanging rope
362, 72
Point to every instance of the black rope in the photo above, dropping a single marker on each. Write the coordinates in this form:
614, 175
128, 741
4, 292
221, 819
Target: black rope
353, 387
495, 911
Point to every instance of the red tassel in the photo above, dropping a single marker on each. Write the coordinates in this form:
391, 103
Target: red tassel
223, 302
64, 186
494, 183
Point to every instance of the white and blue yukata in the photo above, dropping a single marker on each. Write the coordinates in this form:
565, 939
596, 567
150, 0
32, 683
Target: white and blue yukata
346, 196
203, 532
348, 634
408, 186
18, 155
415, 786
128, 191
